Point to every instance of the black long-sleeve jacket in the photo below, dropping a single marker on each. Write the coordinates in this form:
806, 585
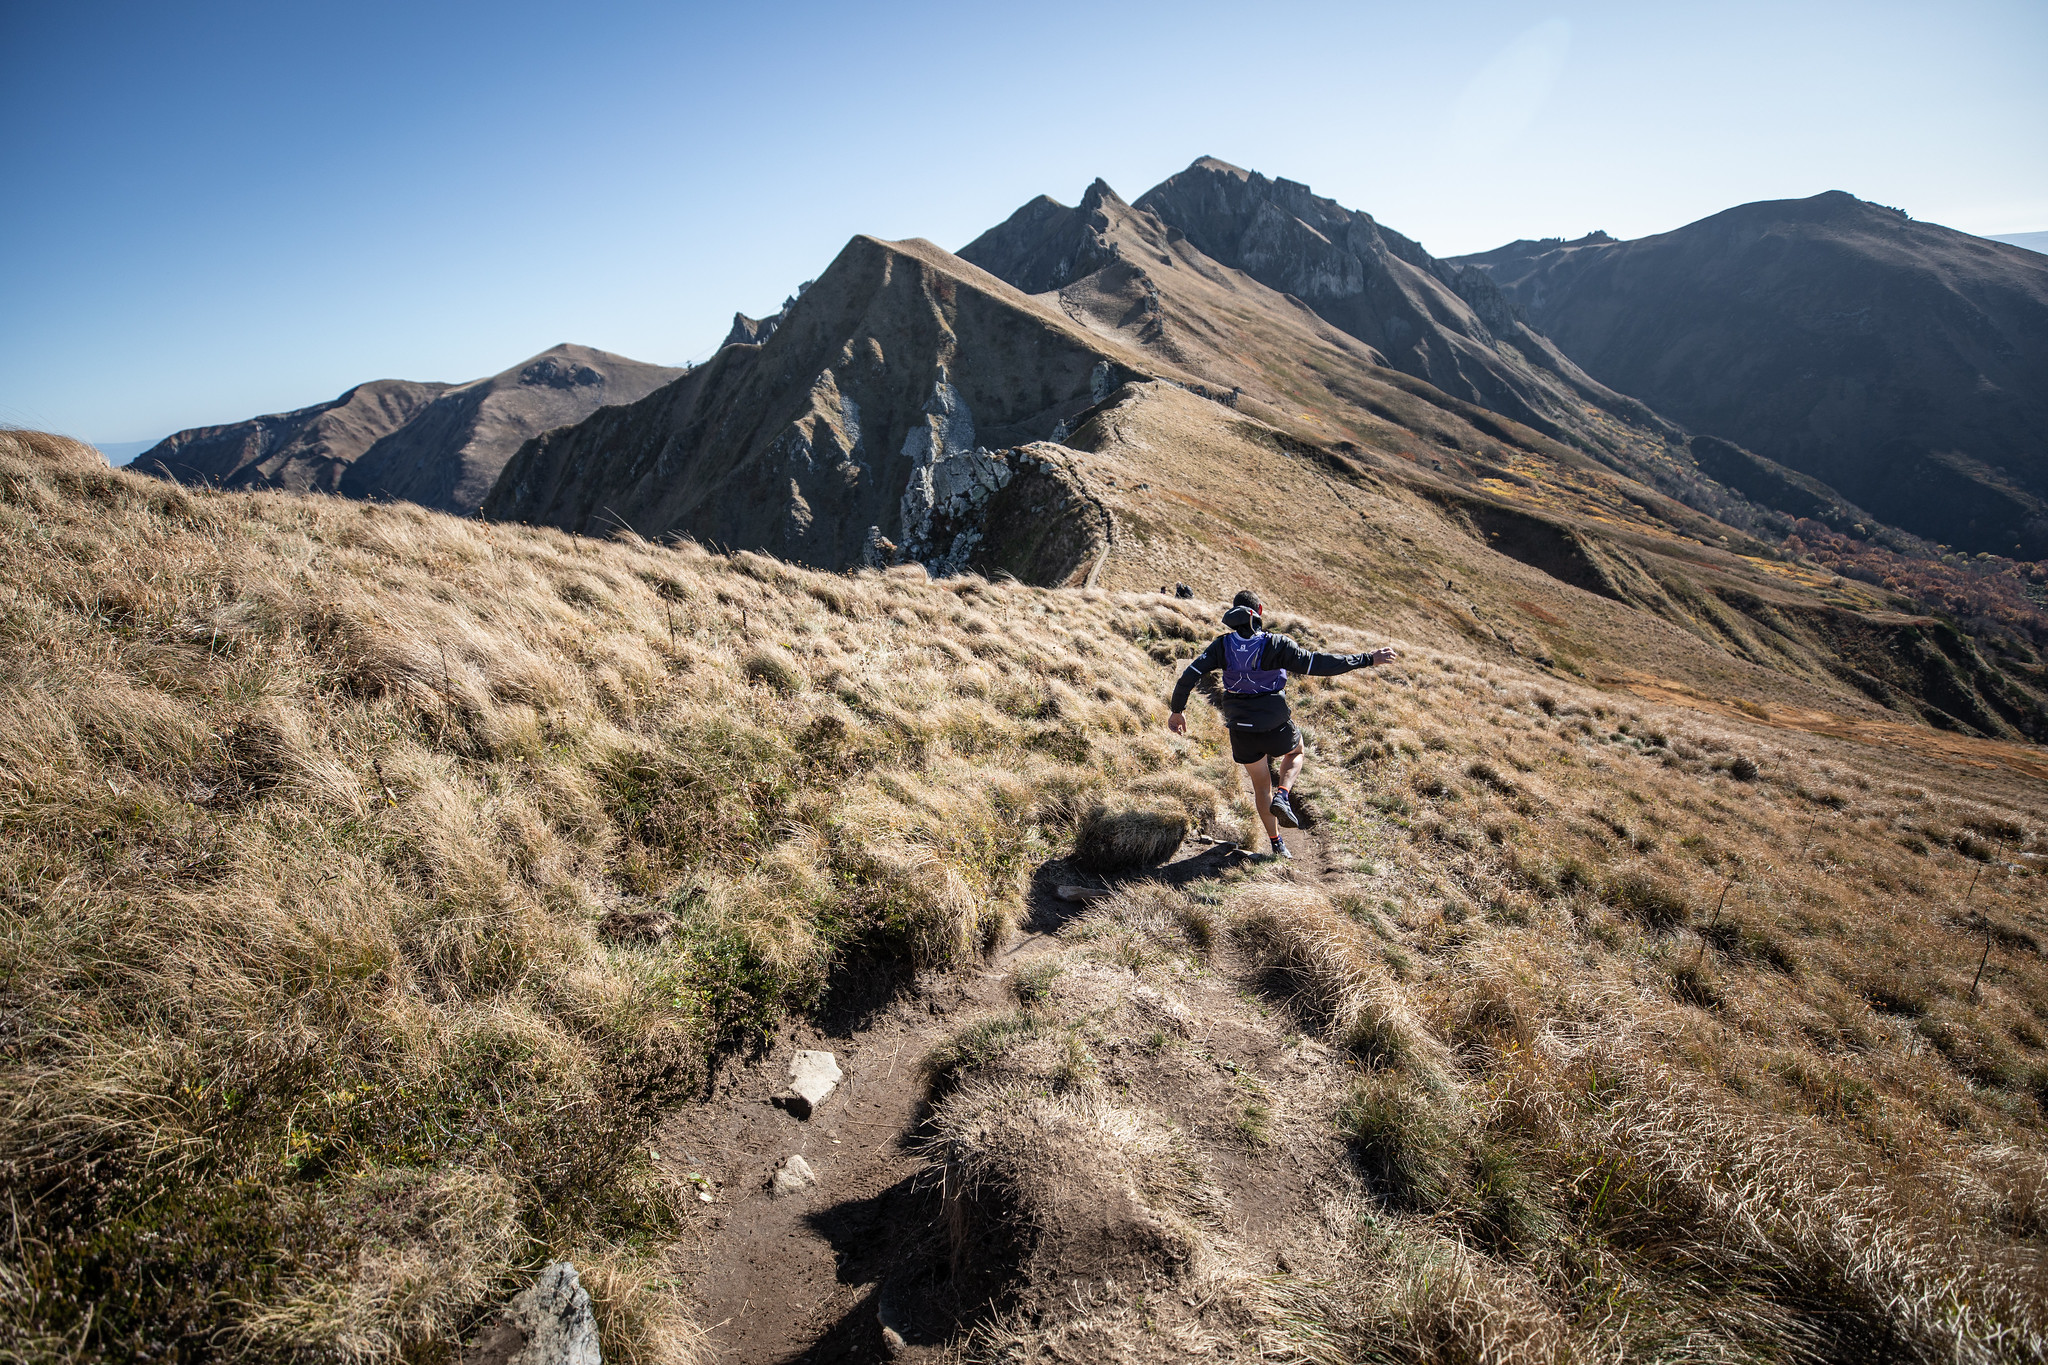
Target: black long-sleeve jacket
1265, 710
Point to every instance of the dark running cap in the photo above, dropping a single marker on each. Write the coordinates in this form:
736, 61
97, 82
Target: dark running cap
1241, 619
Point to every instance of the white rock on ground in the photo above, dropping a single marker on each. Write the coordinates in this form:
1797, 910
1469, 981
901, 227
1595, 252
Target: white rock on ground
547, 1323
793, 1176
813, 1076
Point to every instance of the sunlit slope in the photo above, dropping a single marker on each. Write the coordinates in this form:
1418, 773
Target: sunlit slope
1518, 570
376, 879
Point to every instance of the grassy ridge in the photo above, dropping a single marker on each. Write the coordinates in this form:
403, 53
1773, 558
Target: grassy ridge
373, 876
1667, 1042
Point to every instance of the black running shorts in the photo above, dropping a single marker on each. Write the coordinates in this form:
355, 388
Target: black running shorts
1249, 746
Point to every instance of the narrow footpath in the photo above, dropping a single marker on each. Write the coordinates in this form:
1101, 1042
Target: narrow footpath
855, 1268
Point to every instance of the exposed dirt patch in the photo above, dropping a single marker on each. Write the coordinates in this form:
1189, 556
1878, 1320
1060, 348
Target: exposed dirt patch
1242, 1101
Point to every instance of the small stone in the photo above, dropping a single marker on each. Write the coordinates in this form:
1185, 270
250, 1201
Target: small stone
548, 1323
892, 1339
793, 1176
813, 1076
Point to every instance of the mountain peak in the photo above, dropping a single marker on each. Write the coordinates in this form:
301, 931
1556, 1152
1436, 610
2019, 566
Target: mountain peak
1098, 194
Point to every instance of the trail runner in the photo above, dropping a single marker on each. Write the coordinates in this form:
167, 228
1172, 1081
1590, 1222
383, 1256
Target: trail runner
1263, 736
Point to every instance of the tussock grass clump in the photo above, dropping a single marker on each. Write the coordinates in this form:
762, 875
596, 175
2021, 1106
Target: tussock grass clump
980, 1043
1411, 1151
1041, 1188
1649, 897
768, 667
1157, 911
1321, 963
1124, 835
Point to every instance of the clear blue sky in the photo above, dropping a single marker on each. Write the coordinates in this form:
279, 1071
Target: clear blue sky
216, 210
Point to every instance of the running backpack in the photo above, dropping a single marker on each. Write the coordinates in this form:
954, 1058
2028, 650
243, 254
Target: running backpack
1242, 675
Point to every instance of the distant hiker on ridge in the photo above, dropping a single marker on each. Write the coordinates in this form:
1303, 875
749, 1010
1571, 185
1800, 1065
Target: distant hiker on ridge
1263, 736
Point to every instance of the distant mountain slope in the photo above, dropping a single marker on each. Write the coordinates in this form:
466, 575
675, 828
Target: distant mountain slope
304, 451
1124, 273
2032, 241
1904, 363
439, 445
449, 456
1160, 417
1418, 314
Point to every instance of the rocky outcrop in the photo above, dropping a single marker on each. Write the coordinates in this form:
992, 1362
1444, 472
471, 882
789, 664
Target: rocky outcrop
1046, 246
1040, 524
748, 331
1903, 363
951, 481
439, 445
868, 417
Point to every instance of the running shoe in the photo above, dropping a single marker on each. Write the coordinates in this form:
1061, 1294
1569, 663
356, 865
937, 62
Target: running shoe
1283, 810
1280, 850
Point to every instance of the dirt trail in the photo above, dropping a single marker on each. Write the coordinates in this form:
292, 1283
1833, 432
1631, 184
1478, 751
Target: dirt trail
817, 1276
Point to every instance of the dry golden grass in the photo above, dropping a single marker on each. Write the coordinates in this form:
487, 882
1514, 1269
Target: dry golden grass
1661, 1035
372, 879
1720, 1083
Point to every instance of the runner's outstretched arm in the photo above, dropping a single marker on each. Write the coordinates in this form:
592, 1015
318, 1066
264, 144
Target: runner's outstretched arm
1208, 661
1295, 659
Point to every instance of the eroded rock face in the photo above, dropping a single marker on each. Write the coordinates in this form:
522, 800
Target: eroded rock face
875, 414
951, 482
548, 1323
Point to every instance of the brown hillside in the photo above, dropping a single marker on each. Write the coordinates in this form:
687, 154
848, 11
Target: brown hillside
908, 404
1904, 363
396, 903
305, 451
439, 445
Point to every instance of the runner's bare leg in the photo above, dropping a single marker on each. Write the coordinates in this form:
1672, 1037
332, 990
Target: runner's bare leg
1262, 797
1286, 766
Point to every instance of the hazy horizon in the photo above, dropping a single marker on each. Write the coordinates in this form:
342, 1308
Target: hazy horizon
247, 210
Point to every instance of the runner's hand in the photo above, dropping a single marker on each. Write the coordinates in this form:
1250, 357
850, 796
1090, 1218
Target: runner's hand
1383, 655
1178, 722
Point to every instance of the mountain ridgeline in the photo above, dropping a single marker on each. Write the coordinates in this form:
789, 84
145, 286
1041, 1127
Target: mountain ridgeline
439, 445
1903, 363
1233, 379
862, 422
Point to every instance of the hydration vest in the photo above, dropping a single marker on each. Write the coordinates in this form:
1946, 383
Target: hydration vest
1242, 675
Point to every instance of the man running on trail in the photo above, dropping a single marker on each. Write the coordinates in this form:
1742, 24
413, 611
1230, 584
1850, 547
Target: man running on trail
1263, 736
